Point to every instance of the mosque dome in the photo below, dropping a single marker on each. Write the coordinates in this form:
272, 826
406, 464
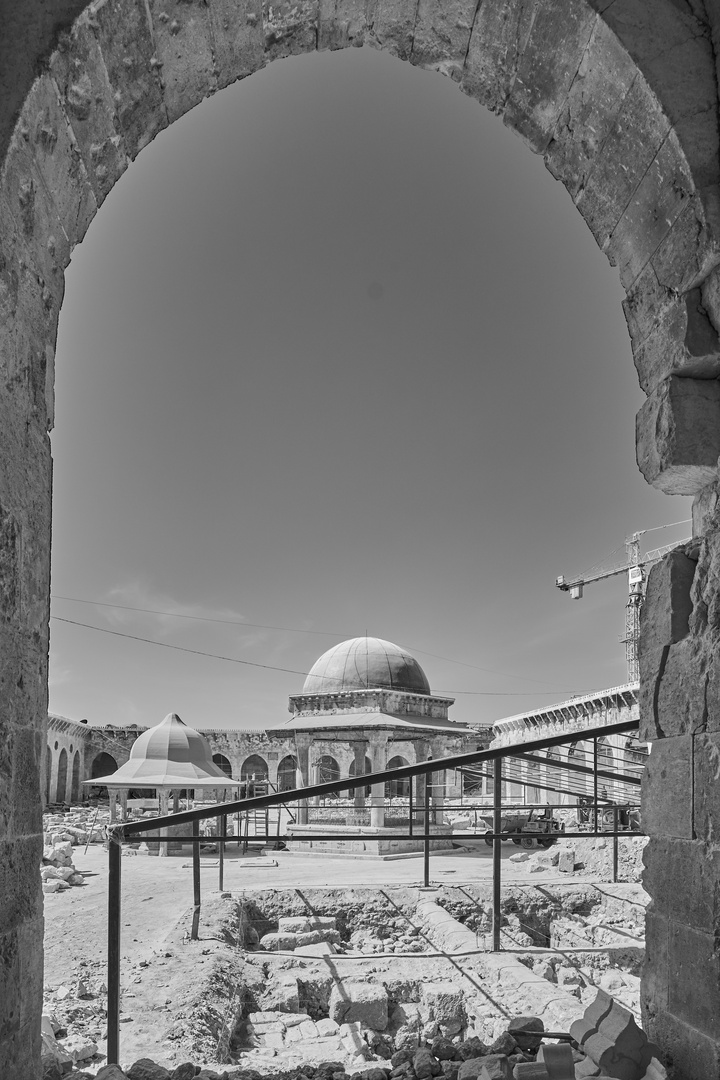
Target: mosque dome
172, 740
366, 663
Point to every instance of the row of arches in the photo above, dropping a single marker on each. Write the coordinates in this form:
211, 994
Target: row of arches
536, 783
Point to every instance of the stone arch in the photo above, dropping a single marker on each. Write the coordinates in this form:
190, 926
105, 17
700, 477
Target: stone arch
397, 788
327, 769
255, 768
287, 778
103, 764
223, 763
48, 764
61, 785
619, 98
367, 769
75, 789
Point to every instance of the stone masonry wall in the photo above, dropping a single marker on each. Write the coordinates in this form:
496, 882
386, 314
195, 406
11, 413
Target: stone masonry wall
620, 97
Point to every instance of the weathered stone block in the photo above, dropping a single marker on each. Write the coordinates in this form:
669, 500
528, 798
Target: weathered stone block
626, 155
79, 73
678, 435
341, 23
54, 152
668, 605
706, 790
655, 204
546, 69
289, 28
184, 48
123, 33
470, 1068
363, 1002
689, 1053
496, 43
391, 26
445, 1001
666, 787
442, 34
704, 508
695, 864
694, 979
596, 95
690, 250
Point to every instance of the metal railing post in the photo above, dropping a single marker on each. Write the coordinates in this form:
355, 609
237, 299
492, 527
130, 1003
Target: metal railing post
615, 843
595, 780
497, 850
426, 846
196, 880
410, 807
113, 952
222, 829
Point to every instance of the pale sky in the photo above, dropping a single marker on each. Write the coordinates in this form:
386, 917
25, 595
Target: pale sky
339, 356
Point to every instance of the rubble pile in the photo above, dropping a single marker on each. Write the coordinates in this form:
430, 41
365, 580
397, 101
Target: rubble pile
61, 832
605, 1042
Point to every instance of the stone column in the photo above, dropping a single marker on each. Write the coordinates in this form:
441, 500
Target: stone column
163, 803
377, 752
123, 804
422, 753
302, 752
359, 749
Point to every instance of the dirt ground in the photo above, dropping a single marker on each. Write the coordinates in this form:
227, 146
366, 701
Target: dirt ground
160, 968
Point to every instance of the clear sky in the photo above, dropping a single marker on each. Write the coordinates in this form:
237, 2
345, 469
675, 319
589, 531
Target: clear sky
339, 356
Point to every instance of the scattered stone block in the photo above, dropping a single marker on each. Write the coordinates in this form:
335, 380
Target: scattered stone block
363, 1002
425, 1064
110, 1072
326, 1026
146, 1069
566, 860
278, 942
79, 1048
470, 1068
519, 856
558, 1059
495, 1067
526, 1023
313, 937
185, 1071
445, 1001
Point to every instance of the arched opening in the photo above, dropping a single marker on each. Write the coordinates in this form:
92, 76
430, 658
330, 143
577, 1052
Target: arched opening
48, 764
61, 786
327, 769
397, 788
287, 773
533, 794
75, 790
553, 105
222, 762
367, 769
103, 764
253, 773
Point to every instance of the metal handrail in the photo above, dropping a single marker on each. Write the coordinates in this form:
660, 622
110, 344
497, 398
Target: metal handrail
118, 833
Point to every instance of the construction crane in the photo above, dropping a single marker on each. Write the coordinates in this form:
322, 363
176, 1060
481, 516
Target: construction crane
635, 567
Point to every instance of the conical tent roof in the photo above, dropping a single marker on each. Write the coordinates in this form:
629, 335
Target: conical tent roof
171, 754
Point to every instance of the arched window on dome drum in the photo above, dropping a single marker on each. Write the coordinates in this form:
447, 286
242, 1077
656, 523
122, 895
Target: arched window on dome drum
287, 774
103, 765
222, 762
368, 768
327, 770
397, 789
